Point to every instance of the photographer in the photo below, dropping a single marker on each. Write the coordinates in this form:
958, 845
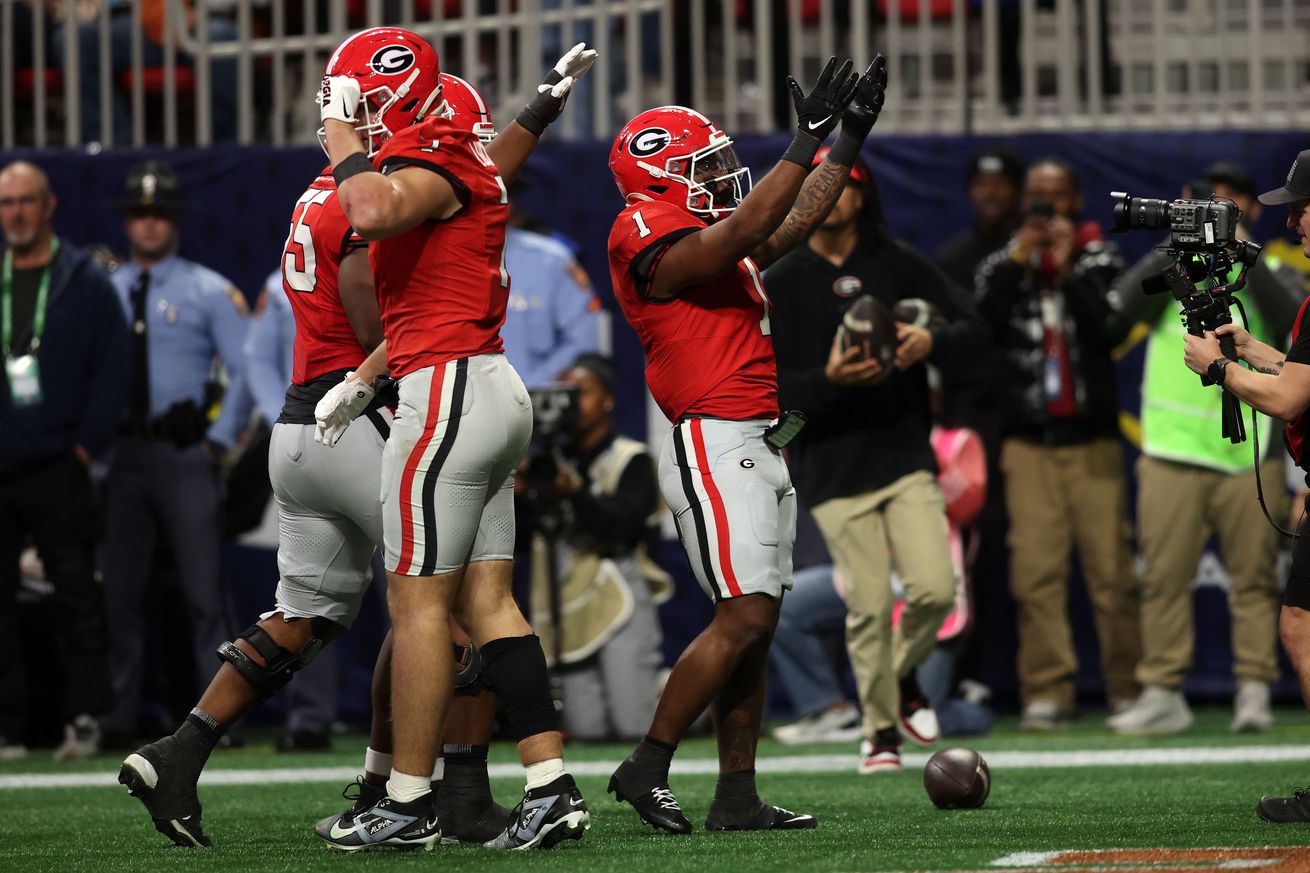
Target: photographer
1278, 386
609, 588
1193, 484
864, 462
1055, 321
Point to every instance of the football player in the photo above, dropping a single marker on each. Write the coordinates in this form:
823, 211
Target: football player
329, 524
685, 255
434, 206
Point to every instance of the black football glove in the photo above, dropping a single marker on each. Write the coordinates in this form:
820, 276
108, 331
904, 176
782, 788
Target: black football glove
862, 113
818, 112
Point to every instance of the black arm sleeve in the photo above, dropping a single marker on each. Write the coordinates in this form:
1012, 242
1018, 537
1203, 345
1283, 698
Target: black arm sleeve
620, 518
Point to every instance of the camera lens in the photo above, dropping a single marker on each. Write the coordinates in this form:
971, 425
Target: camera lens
1132, 213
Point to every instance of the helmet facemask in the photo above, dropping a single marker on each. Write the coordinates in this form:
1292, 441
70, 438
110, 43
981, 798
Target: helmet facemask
715, 178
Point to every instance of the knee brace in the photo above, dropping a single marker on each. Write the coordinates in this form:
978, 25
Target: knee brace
279, 663
515, 668
468, 668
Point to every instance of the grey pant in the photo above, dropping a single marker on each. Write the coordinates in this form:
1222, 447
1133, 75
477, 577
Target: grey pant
158, 490
613, 694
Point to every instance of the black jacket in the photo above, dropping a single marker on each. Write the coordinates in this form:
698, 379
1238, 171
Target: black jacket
860, 439
1009, 298
85, 362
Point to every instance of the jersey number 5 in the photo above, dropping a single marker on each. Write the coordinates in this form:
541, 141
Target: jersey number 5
298, 258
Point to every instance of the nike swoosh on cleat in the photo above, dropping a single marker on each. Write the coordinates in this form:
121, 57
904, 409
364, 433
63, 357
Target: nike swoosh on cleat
578, 801
798, 818
336, 833
815, 125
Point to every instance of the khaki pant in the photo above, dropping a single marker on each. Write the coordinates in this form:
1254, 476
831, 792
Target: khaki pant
1179, 507
1058, 496
904, 523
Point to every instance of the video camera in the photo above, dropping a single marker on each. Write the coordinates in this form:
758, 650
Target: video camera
554, 412
1204, 247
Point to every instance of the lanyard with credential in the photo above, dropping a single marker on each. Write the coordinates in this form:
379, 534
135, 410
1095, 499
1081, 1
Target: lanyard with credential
7, 301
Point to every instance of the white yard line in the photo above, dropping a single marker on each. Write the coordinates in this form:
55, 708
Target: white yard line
1057, 759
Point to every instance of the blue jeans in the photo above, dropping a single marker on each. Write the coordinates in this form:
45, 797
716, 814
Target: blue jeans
223, 76
956, 716
811, 612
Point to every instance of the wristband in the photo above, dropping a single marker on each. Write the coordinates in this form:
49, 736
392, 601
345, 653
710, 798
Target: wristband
533, 121
802, 149
353, 165
846, 150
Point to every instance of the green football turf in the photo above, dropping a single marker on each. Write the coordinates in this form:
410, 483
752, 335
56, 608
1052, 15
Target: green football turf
867, 822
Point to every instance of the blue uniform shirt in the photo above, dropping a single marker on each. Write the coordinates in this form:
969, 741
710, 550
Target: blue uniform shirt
270, 350
553, 316
193, 315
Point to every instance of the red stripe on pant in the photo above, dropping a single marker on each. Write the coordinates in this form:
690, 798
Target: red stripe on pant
406, 562
720, 511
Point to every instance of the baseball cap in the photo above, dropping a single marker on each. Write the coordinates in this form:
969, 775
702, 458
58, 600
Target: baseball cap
1297, 186
1231, 174
859, 172
997, 159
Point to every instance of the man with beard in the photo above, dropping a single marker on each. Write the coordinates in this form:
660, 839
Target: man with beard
66, 381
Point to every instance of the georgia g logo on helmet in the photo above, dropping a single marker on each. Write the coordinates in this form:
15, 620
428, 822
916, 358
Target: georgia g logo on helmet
650, 141
392, 60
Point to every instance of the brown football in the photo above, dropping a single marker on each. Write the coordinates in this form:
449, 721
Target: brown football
869, 325
957, 779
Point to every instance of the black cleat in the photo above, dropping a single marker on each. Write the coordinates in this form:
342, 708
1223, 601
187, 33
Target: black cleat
365, 794
1285, 809
654, 801
469, 821
388, 822
161, 777
545, 816
761, 817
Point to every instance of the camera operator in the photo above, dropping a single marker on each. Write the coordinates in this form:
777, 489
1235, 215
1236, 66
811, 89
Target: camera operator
1192, 484
1278, 385
609, 587
1055, 321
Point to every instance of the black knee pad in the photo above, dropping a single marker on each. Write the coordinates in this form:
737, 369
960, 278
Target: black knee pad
515, 668
279, 664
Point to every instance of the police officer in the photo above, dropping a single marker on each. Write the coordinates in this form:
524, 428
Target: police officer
65, 350
553, 315
164, 482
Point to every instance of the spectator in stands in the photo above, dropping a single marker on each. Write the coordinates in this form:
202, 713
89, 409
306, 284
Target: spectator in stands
164, 480
67, 365
222, 72
864, 462
1192, 484
553, 315
609, 587
270, 345
995, 186
1055, 320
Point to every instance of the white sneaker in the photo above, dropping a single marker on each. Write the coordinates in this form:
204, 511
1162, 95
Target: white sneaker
839, 723
881, 754
1158, 711
81, 739
1251, 709
12, 751
1042, 715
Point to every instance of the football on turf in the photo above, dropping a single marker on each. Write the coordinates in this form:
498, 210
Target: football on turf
957, 779
869, 326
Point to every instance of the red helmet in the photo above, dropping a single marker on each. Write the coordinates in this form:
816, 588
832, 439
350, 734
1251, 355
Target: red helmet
467, 108
399, 79
677, 155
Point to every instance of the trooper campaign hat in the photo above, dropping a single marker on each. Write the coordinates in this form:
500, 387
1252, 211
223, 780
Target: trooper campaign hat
1297, 186
151, 185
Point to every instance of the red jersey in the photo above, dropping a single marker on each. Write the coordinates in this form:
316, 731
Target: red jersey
442, 286
708, 350
320, 237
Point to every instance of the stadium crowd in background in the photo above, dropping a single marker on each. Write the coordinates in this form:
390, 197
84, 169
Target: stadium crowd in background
1028, 304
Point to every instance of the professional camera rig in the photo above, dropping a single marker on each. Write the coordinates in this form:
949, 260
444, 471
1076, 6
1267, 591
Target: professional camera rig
1204, 248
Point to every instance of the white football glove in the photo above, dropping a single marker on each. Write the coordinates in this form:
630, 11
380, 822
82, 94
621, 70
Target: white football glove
575, 64
341, 405
339, 98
